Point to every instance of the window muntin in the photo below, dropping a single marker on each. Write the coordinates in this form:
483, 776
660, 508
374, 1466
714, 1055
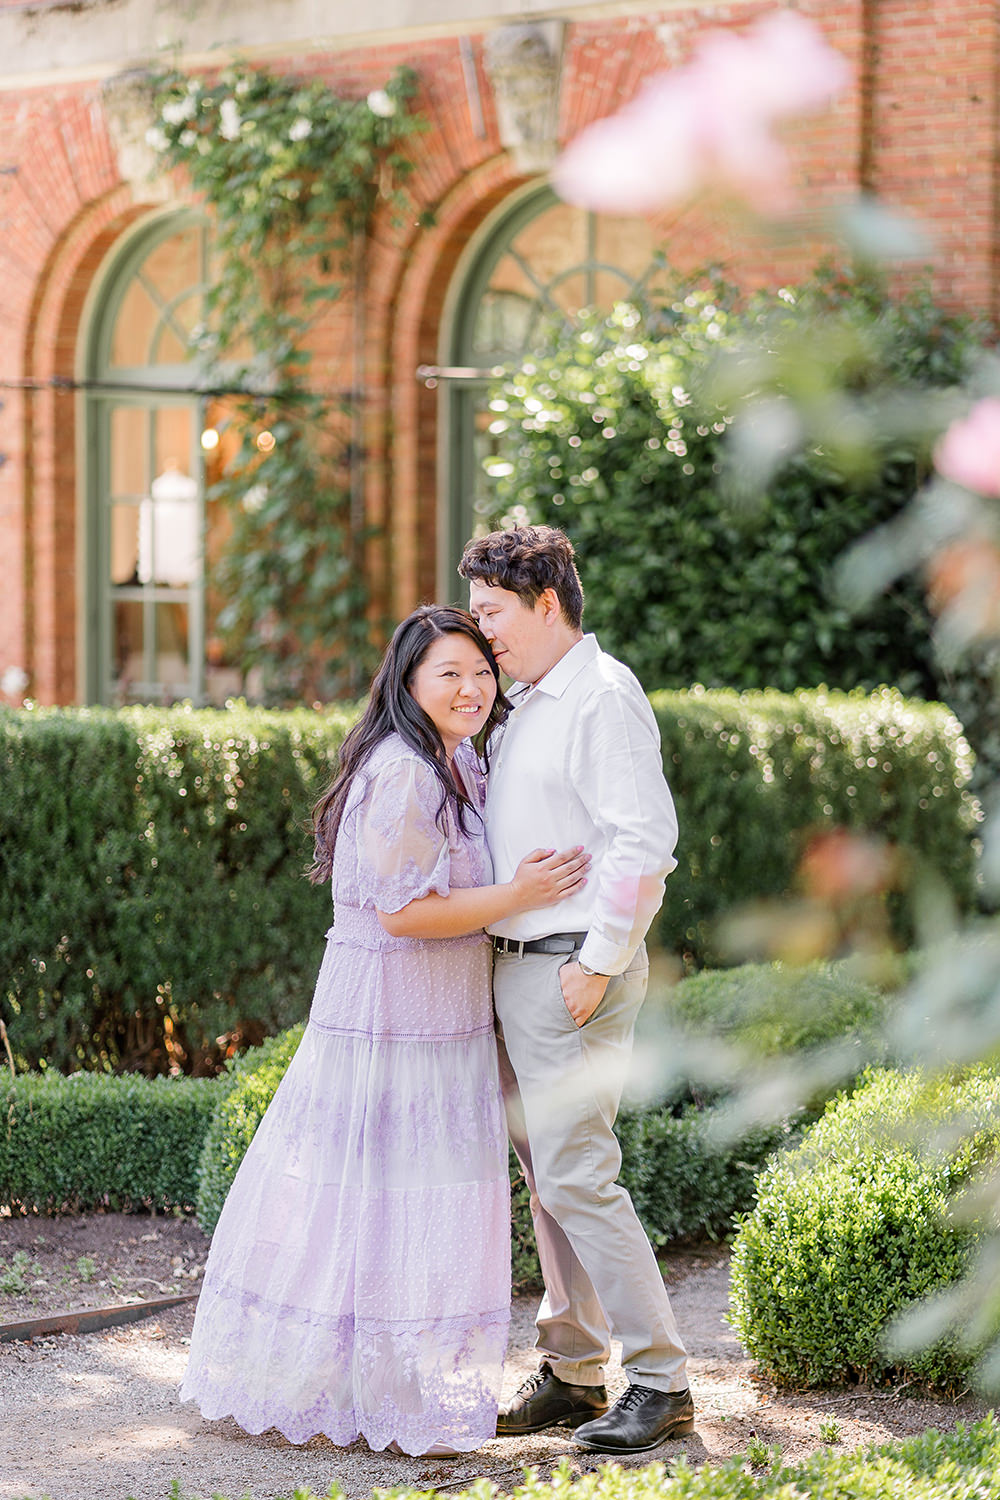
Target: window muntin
545, 259
152, 638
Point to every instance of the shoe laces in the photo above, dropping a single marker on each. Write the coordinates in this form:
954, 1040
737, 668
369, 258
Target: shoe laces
534, 1382
635, 1396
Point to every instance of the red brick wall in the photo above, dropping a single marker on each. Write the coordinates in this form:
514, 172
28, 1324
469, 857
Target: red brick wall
934, 119
920, 127
54, 208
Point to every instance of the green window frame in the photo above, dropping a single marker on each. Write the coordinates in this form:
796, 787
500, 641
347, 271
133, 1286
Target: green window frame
495, 326
145, 485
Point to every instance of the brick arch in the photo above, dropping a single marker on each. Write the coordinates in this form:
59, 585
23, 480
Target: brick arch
51, 355
404, 492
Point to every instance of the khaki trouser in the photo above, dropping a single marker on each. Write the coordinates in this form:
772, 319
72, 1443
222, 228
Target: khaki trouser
562, 1087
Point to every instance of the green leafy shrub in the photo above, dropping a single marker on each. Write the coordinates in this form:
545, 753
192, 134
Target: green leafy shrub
686, 1178
723, 1026
93, 1140
853, 1227
773, 1010
756, 775
255, 1078
617, 430
151, 862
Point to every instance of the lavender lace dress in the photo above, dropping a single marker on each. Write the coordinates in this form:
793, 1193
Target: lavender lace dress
359, 1276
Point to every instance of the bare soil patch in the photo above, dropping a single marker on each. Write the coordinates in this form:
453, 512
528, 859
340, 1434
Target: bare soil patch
93, 1260
96, 1416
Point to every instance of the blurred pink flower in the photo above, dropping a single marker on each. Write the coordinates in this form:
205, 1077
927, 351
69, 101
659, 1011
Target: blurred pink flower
710, 121
969, 452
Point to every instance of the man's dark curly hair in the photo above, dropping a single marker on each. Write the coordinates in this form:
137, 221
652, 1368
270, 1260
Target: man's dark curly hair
527, 560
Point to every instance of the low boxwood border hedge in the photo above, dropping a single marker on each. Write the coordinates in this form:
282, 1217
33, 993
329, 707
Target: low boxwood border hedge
98, 1141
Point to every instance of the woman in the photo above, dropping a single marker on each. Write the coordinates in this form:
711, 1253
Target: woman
359, 1277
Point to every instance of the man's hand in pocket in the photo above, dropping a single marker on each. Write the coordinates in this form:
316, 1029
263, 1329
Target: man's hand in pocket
582, 992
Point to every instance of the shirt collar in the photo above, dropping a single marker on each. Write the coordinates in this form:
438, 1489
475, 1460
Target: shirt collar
558, 678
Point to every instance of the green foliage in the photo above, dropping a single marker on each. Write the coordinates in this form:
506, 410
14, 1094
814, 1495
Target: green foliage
151, 868
723, 1028
772, 1010
235, 1119
853, 1227
151, 859
97, 1141
933, 1466
684, 1180
292, 175
15, 1277
757, 775
708, 520
686, 1177
292, 172
759, 1455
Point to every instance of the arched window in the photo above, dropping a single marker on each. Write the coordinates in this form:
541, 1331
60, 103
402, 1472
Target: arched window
148, 532
534, 261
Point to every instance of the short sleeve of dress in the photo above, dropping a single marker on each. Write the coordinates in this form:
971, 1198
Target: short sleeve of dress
402, 852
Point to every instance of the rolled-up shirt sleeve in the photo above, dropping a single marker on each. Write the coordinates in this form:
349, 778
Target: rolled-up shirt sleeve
617, 772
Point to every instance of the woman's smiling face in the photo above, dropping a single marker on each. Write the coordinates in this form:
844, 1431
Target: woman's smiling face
455, 687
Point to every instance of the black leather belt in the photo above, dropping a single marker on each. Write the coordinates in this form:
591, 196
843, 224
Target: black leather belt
556, 942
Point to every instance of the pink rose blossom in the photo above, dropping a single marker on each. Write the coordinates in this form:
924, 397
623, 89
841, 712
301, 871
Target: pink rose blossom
708, 121
969, 452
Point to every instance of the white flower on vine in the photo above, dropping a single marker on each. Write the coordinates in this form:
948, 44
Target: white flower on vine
242, 87
300, 129
187, 138
178, 110
13, 682
254, 498
380, 103
229, 120
156, 138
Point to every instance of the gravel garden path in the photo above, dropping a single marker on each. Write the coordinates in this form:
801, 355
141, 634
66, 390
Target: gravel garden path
96, 1416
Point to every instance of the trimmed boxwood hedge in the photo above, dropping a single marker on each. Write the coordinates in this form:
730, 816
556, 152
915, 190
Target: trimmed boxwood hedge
718, 1031
853, 1227
151, 860
756, 775
151, 883
96, 1141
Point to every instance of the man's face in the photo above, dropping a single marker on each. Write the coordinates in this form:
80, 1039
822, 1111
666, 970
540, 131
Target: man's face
518, 635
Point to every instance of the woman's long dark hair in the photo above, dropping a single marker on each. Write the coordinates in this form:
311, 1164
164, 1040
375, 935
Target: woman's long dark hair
392, 708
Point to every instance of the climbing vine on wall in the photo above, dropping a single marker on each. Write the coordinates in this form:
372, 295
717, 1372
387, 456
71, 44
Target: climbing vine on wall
292, 176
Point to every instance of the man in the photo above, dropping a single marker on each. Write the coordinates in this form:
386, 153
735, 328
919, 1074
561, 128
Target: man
578, 762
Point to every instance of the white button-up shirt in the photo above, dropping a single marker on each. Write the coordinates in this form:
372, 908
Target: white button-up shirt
578, 762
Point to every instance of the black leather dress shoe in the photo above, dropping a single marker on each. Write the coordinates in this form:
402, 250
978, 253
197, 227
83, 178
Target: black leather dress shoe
639, 1420
546, 1401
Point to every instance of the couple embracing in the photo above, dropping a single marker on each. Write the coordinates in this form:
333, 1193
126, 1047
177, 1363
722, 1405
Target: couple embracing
358, 1282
